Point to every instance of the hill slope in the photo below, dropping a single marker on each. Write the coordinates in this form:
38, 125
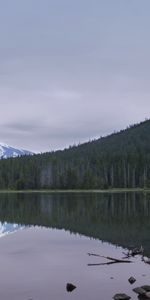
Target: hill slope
118, 160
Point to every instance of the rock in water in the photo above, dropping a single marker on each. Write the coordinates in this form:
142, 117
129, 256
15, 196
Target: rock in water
146, 288
139, 291
70, 287
131, 280
121, 297
147, 295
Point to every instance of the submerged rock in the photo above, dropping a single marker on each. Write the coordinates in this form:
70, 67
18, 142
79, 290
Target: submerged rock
121, 297
131, 280
139, 291
146, 288
147, 295
70, 287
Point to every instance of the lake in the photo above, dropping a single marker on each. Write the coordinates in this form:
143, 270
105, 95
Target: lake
46, 238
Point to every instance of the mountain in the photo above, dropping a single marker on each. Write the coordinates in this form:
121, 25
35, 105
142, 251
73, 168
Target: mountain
7, 228
8, 151
120, 160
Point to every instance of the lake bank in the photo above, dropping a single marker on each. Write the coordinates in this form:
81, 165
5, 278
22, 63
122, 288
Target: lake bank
119, 190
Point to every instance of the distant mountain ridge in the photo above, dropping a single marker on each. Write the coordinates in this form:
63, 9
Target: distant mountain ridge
7, 151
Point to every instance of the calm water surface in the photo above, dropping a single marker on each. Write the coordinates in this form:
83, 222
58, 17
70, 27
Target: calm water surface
45, 239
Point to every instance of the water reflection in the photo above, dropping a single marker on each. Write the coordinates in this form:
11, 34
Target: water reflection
122, 219
7, 228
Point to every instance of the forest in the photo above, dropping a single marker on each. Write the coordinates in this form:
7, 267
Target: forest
120, 160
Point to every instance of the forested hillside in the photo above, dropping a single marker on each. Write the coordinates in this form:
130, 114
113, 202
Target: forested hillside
120, 160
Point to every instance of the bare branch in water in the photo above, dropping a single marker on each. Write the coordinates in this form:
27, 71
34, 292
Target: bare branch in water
113, 260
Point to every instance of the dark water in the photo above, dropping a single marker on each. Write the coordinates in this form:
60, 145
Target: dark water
121, 219
44, 258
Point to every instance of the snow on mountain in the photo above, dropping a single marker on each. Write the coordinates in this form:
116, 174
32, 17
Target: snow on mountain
9, 151
7, 228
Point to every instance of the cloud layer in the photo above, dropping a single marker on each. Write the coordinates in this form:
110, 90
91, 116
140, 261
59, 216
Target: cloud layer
72, 70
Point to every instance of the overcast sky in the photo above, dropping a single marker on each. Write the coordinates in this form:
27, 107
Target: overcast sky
72, 70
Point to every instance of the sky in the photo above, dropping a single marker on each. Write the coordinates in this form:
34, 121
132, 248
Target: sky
72, 70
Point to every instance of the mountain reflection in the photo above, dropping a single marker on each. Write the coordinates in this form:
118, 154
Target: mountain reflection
121, 218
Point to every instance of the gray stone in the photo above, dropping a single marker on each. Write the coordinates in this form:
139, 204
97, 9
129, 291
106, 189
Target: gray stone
70, 287
146, 288
131, 280
121, 297
147, 295
139, 291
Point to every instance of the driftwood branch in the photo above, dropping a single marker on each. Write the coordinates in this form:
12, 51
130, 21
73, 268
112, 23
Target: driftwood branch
93, 254
113, 260
102, 264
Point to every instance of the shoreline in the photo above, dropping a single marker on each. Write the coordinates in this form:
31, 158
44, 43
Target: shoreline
51, 191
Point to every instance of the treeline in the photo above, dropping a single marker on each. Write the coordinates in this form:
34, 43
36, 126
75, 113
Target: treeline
121, 160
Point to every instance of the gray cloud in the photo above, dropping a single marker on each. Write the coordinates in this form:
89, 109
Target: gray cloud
72, 70
19, 127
